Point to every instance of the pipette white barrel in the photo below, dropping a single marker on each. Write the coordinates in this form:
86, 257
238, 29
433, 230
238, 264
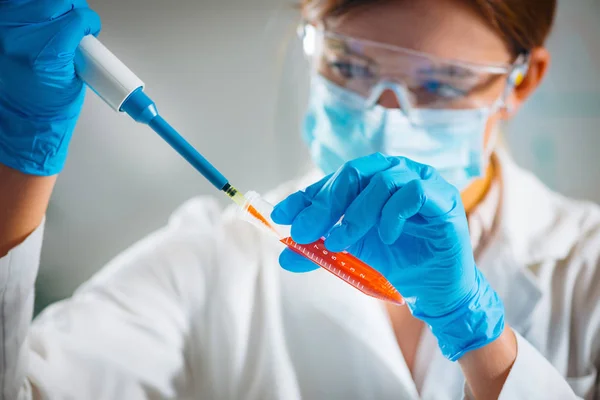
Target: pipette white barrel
104, 73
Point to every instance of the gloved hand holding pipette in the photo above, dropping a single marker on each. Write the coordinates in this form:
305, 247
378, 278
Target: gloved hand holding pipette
405, 220
40, 94
46, 91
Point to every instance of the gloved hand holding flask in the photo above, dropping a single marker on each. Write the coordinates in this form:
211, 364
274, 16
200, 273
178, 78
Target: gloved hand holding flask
405, 220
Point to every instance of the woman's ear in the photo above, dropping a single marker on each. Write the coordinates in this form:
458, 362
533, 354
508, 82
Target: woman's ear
539, 61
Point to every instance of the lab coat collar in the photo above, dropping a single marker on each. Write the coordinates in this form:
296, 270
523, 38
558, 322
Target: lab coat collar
365, 319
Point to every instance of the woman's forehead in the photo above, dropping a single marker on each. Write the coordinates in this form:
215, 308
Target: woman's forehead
443, 28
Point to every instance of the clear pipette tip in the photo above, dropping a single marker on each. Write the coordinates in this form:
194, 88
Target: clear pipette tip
235, 195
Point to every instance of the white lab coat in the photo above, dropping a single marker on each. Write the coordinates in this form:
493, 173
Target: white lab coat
201, 310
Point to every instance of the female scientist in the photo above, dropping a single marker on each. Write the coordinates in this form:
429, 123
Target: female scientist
500, 274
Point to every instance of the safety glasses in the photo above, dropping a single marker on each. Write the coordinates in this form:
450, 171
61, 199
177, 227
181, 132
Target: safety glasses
418, 80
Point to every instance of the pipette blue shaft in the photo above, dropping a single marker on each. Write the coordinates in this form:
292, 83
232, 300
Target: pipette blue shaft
180, 145
143, 110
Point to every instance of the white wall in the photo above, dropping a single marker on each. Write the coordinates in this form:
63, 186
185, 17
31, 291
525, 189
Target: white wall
219, 73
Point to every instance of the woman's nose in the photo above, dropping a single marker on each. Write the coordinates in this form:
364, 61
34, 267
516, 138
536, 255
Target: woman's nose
389, 99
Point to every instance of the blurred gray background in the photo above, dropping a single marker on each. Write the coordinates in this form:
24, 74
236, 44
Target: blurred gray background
229, 74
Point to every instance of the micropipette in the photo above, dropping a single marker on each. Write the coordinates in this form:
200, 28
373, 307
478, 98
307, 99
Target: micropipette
124, 92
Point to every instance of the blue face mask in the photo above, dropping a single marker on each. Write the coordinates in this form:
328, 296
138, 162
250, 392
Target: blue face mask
338, 128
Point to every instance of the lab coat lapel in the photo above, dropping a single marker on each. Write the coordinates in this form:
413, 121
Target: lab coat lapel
366, 319
514, 283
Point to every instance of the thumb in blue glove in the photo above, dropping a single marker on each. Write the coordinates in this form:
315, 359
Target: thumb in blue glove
405, 220
40, 95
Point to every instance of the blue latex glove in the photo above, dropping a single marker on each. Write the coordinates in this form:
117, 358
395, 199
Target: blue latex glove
403, 219
40, 95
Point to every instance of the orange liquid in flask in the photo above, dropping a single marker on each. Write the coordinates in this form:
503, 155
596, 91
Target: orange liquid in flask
349, 269
343, 265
